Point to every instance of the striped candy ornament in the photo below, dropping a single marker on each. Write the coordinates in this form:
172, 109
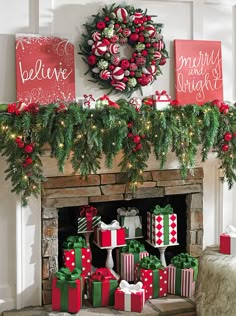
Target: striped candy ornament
119, 85
105, 74
99, 48
113, 49
96, 36
157, 55
160, 45
150, 31
121, 14
115, 60
138, 15
126, 32
118, 73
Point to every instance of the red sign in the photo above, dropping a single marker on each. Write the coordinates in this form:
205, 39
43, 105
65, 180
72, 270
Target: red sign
44, 69
198, 71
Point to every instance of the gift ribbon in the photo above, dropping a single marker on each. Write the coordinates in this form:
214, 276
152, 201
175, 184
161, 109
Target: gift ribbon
130, 288
151, 263
131, 211
133, 246
158, 210
102, 274
66, 279
165, 212
76, 243
162, 93
185, 261
114, 225
89, 212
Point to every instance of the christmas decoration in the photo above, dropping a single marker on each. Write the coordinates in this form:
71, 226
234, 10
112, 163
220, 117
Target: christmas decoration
131, 221
161, 100
162, 226
153, 276
228, 241
130, 297
106, 130
182, 275
88, 219
67, 291
102, 285
100, 48
76, 254
111, 235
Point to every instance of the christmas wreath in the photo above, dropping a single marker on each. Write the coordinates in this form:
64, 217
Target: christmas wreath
117, 26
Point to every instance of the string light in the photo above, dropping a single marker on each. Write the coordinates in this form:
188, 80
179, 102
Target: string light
62, 123
13, 136
93, 126
129, 165
61, 145
25, 177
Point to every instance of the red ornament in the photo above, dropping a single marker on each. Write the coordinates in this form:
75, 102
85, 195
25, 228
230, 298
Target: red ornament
106, 41
144, 52
138, 146
28, 161
107, 19
101, 25
92, 59
20, 144
228, 137
124, 64
225, 147
136, 139
18, 139
134, 37
141, 39
32, 108
162, 61
28, 149
129, 135
130, 125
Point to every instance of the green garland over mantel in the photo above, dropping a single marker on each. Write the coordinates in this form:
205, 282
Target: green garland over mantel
83, 135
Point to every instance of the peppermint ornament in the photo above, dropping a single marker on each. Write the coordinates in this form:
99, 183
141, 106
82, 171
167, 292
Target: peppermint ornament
123, 25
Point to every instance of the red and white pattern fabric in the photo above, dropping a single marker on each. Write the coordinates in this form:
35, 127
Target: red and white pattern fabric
83, 262
111, 235
128, 264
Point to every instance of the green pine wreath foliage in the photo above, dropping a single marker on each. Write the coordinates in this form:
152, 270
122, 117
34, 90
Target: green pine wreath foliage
83, 135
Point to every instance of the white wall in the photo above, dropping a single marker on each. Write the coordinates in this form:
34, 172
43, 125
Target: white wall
20, 282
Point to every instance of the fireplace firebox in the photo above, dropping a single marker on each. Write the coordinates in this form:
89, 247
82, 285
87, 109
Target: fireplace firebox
62, 196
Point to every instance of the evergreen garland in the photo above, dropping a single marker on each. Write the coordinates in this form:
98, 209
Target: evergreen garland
83, 135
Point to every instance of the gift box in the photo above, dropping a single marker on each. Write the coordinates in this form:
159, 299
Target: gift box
130, 297
161, 100
228, 241
88, 219
76, 254
127, 257
101, 287
182, 275
67, 291
111, 235
153, 275
162, 226
131, 221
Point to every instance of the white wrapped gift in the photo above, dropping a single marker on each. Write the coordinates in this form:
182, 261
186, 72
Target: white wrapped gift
161, 100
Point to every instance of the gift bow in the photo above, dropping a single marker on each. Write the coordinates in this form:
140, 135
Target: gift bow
159, 94
185, 261
162, 210
102, 274
112, 226
64, 274
133, 246
88, 211
151, 263
130, 288
131, 211
73, 242
230, 230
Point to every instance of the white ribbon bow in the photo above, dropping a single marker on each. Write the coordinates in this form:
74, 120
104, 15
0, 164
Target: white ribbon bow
131, 211
230, 229
130, 288
112, 226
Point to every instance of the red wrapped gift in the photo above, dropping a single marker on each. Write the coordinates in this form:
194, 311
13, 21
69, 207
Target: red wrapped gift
161, 100
153, 276
111, 235
76, 254
102, 285
130, 297
67, 291
228, 244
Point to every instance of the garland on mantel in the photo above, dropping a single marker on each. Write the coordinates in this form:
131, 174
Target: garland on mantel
82, 135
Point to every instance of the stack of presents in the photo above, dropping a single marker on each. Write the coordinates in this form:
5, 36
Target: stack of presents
141, 276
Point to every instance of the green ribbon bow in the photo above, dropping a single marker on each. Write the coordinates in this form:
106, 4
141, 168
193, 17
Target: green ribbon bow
151, 263
73, 242
185, 261
158, 210
66, 279
133, 246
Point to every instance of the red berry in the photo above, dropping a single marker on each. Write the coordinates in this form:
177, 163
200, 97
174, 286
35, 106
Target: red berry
20, 144
132, 73
142, 28
130, 125
136, 139
138, 146
148, 45
28, 161
129, 135
141, 39
107, 18
228, 137
225, 147
28, 149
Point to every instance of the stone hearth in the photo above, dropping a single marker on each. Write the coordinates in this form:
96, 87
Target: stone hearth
66, 191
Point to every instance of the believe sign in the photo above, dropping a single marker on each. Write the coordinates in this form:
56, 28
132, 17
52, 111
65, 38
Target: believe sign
198, 71
44, 69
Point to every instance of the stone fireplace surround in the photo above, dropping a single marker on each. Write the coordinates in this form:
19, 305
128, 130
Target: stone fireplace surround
66, 191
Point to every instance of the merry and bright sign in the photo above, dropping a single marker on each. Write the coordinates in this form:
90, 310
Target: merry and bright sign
198, 71
44, 69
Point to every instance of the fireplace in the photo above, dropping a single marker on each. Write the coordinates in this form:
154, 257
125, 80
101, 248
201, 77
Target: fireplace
159, 186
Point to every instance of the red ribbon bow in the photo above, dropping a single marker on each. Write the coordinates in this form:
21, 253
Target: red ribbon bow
102, 274
161, 93
89, 212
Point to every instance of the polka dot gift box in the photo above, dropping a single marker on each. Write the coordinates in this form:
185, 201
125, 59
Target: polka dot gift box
153, 275
76, 254
162, 226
